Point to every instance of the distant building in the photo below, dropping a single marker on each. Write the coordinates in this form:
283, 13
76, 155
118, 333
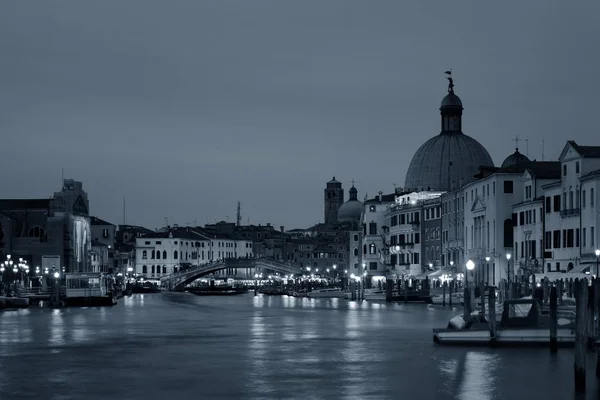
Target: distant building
333, 200
49, 233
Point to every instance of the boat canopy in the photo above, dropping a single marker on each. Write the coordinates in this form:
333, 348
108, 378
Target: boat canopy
557, 276
437, 274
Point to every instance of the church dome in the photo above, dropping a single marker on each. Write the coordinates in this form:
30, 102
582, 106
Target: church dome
450, 159
352, 209
515, 158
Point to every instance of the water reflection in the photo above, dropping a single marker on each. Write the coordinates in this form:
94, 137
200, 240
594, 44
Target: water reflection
57, 329
478, 376
182, 346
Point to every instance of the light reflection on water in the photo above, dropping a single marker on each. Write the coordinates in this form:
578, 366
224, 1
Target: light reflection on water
183, 346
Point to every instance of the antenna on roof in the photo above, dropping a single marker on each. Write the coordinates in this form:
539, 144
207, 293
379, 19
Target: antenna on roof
62, 177
124, 212
239, 214
542, 149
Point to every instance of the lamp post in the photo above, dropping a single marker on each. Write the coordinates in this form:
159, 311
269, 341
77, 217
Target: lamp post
470, 266
507, 291
597, 261
487, 267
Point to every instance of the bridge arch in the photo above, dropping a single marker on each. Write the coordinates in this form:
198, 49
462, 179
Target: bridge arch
178, 280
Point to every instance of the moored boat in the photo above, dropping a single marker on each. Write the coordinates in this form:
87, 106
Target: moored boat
327, 293
522, 323
217, 292
457, 298
375, 294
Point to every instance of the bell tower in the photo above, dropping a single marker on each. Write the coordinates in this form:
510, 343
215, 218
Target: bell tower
333, 199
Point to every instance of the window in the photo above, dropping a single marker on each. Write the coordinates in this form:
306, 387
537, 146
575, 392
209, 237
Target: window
175, 254
356, 238
373, 265
576, 167
583, 238
144, 254
144, 269
164, 254
158, 254
372, 208
548, 205
153, 256
508, 186
592, 197
372, 249
373, 228
564, 169
356, 251
557, 203
493, 187
583, 200
105, 233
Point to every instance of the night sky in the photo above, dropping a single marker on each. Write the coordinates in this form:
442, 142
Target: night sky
186, 107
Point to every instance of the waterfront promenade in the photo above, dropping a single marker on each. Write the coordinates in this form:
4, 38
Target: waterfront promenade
181, 346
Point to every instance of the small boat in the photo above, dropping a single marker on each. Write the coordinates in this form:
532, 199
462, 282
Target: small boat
14, 302
522, 323
375, 294
223, 290
457, 298
327, 293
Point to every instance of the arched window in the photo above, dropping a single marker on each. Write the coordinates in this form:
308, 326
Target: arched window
356, 251
158, 254
144, 254
144, 269
158, 269
164, 269
570, 266
164, 254
153, 269
153, 254
372, 249
364, 249
38, 232
175, 254
174, 269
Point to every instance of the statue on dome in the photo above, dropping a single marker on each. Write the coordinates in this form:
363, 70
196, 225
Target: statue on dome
450, 84
450, 81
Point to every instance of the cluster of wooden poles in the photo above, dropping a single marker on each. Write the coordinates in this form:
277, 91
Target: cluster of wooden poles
587, 318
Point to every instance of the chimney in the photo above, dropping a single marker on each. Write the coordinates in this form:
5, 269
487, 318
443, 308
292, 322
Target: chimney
281, 227
380, 196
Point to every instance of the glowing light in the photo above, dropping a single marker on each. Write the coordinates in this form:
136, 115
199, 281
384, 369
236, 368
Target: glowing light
597, 252
470, 265
487, 259
508, 256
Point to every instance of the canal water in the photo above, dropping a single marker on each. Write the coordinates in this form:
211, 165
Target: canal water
180, 346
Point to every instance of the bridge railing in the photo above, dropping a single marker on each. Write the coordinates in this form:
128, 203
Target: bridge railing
232, 262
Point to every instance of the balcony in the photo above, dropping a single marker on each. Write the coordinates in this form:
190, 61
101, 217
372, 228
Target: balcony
569, 213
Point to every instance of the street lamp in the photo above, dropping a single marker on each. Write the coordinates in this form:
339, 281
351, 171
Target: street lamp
508, 267
597, 260
470, 266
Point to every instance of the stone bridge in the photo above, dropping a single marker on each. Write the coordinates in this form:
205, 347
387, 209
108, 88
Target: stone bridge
179, 279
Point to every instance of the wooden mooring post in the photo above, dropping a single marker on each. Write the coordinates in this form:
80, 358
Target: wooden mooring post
389, 285
492, 313
467, 304
579, 366
450, 290
553, 320
482, 297
444, 290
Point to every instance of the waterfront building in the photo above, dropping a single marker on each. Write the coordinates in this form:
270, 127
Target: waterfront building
453, 230
100, 256
571, 218
123, 257
49, 233
103, 233
375, 241
172, 248
529, 216
409, 255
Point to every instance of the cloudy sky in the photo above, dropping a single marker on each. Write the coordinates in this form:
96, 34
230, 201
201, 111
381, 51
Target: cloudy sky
185, 107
